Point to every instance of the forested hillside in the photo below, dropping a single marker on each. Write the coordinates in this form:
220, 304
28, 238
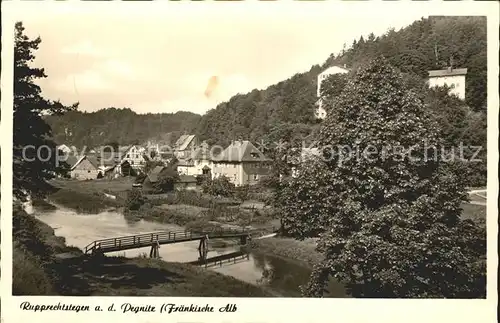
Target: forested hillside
119, 125
289, 105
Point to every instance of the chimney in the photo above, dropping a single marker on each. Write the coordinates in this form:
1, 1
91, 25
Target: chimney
345, 65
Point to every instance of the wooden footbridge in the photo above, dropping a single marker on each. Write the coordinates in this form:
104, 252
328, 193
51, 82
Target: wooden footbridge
155, 239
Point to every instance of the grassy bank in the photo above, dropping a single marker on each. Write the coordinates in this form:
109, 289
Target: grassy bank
303, 251
83, 202
150, 277
44, 265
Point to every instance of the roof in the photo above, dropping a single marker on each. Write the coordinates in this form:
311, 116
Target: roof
334, 70
154, 173
448, 72
241, 151
185, 162
74, 161
183, 142
93, 160
186, 179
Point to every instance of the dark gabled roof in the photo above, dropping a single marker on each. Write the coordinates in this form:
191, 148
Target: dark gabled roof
185, 162
241, 151
448, 72
154, 173
187, 179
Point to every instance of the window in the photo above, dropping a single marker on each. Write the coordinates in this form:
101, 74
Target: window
255, 177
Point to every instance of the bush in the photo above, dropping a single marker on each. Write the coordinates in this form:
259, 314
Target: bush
83, 202
242, 193
202, 226
135, 199
221, 186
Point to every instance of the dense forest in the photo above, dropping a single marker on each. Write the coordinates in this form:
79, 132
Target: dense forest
119, 125
286, 110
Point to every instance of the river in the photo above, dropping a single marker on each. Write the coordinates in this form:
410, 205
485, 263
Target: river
282, 276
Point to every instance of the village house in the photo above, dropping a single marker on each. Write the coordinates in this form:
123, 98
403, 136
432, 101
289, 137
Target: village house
186, 167
152, 178
82, 167
186, 182
242, 163
199, 162
202, 160
451, 77
184, 146
320, 111
134, 155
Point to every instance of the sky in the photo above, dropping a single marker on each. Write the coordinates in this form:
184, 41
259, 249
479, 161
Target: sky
187, 60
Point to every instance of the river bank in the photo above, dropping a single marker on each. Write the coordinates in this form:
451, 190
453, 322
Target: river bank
189, 210
44, 265
302, 251
196, 218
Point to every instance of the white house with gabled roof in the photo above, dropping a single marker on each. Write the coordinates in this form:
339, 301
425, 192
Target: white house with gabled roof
320, 111
451, 77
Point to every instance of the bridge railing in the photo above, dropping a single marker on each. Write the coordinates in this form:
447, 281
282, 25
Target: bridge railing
141, 239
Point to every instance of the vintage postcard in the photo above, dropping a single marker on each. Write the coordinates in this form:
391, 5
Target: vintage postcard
305, 161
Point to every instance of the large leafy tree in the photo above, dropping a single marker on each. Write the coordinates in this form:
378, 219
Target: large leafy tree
34, 152
389, 225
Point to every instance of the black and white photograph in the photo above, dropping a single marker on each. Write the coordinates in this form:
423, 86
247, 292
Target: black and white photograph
317, 155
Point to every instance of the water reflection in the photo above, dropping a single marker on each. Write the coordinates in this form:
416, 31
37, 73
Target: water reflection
281, 275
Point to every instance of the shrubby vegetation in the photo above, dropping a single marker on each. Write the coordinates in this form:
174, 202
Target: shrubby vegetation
83, 202
220, 186
135, 199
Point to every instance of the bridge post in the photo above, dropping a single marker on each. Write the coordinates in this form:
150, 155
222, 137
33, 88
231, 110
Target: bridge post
243, 240
203, 247
154, 253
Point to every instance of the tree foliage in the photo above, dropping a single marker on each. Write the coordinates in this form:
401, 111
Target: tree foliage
34, 152
220, 186
389, 225
135, 199
151, 164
